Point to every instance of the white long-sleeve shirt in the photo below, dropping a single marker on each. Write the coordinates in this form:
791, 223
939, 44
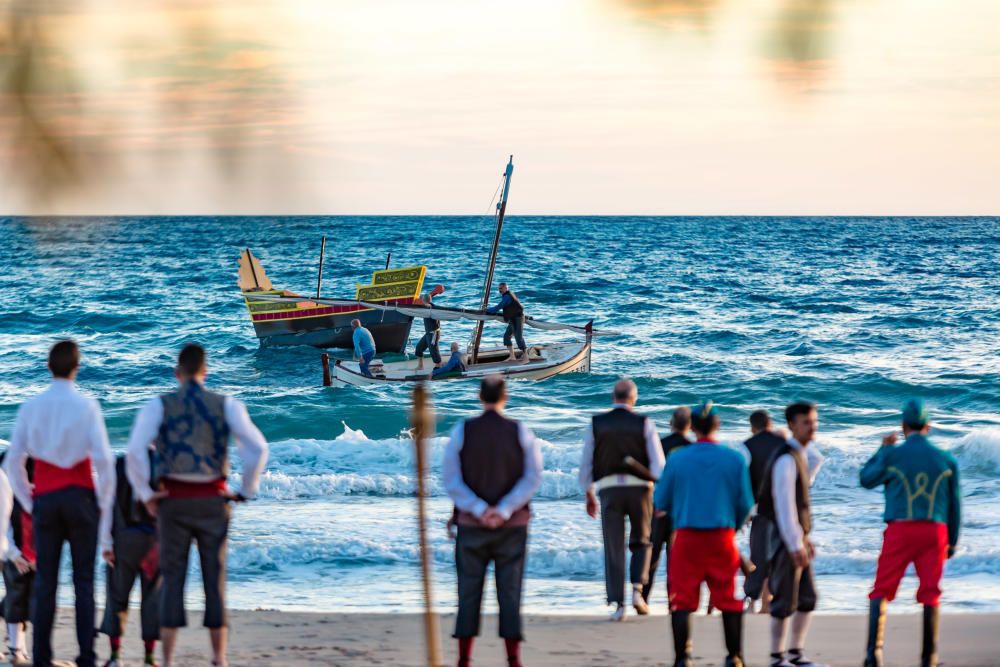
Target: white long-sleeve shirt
249, 441
6, 506
466, 499
654, 451
783, 475
63, 427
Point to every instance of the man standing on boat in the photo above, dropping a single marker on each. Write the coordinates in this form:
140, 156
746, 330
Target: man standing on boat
923, 512
492, 467
613, 488
429, 341
513, 315
64, 432
364, 346
190, 430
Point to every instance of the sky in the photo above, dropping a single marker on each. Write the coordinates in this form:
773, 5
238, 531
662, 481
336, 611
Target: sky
672, 107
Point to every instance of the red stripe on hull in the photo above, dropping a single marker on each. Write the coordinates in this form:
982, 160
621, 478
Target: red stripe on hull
312, 312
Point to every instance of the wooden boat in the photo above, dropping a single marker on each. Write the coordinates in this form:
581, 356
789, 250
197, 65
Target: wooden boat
544, 360
297, 320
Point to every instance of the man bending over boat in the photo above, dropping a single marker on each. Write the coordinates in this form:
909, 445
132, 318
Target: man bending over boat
364, 346
513, 315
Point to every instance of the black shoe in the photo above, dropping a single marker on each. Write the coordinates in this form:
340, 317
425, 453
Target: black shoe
928, 653
876, 632
680, 622
732, 627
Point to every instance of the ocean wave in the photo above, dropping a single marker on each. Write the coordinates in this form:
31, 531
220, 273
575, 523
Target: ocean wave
979, 451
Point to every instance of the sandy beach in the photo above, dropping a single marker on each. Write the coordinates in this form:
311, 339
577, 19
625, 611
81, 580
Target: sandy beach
346, 640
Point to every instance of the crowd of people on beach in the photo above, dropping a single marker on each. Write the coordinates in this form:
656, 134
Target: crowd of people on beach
691, 496
61, 483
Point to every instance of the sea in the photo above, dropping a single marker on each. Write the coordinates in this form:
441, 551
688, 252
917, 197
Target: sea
855, 314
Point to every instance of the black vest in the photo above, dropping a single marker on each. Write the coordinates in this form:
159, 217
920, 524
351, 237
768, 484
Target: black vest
617, 434
512, 309
492, 456
129, 512
765, 504
431, 325
762, 448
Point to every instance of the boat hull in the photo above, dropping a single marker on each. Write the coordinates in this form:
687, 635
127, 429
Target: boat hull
547, 361
390, 330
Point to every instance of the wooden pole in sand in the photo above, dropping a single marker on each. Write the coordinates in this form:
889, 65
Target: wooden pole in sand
422, 421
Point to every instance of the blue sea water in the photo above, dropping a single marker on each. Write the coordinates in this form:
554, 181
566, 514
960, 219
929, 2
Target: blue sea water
855, 314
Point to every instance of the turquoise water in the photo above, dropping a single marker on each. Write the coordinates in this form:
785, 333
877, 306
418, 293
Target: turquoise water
855, 314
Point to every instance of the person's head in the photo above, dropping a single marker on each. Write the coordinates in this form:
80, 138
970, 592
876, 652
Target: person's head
493, 392
916, 418
705, 419
355, 324
803, 420
760, 421
502, 287
680, 421
625, 393
455, 347
427, 297
191, 363
64, 360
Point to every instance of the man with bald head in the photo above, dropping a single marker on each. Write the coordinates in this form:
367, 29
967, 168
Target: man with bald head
613, 486
364, 346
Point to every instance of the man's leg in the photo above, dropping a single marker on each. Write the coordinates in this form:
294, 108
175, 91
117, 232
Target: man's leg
471, 558
419, 352
211, 531
508, 563
613, 527
640, 513
685, 574
753, 583
508, 342
806, 602
659, 530
783, 581
366, 359
518, 326
49, 535
929, 565
175, 543
892, 563
80, 509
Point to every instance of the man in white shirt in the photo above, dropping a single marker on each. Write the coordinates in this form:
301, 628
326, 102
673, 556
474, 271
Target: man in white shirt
784, 501
64, 432
611, 437
190, 430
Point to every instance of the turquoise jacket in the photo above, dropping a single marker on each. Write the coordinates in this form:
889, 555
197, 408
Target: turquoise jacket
921, 483
705, 485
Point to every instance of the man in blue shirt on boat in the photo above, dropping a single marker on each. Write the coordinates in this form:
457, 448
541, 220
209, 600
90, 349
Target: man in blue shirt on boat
454, 365
513, 315
364, 346
705, 488
923, 512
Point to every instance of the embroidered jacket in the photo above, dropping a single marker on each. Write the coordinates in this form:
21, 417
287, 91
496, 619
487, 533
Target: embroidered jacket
921, 483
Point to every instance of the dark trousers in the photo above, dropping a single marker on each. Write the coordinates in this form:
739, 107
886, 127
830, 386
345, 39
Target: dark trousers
792, 588
131, 548
760, 552
617, 503
659, 536
366, 359
205, 521
515, 330
474, 549
17, 603
67, 515
429, 341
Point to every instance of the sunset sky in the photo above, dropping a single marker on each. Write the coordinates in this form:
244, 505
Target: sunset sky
399, 106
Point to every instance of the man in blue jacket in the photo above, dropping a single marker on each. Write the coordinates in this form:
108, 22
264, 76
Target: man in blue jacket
364, 346
513, 315
705, 489
923, 512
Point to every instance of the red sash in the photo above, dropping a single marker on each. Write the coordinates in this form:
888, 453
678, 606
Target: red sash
49, 477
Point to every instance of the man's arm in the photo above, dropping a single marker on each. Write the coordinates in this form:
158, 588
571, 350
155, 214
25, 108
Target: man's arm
104, 464
251, 444
814, 461
783, 476
504, 300
873, 473
744, 498
451, 474
586, 476
525, 487
144, 432
954, 508
6, 505
654, 450
16, 461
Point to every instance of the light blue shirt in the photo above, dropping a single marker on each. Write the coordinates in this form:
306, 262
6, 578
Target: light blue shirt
363, 342
705, 486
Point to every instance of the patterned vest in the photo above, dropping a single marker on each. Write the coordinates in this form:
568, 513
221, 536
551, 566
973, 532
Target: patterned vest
194, 436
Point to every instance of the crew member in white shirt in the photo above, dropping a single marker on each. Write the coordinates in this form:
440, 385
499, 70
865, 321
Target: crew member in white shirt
190, 430
64, 432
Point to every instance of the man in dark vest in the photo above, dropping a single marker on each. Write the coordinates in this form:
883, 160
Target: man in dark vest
608, 441
429, 341
136, 557
660, 528
63, 432
784, 501
761, 448
513, 315
923, 501
190, 430
492, 467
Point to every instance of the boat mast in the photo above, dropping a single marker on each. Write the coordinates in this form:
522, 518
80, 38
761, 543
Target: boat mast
319, 278
487, 286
